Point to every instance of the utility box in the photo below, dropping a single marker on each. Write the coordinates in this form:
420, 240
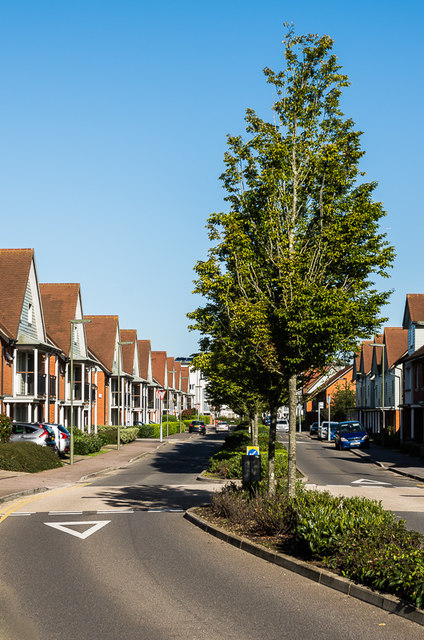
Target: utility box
251, 470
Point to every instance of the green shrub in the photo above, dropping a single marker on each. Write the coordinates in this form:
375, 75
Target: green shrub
109, 434
354, 536
153, 430
170, 418
146, 431
86, 443
5, 428
188, 413
28, 457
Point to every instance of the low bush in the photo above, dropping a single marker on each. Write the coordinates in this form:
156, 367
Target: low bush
5, 428
170, 418
353, 536
188, 413
86, 443
153, 430
28, 457
109, 434
146, 431
227, 462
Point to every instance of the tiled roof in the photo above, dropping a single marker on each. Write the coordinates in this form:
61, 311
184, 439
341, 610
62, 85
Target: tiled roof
144, 351
171, 368
101, 338
177, 366
415, 307
128, 350
396, 341
185, 376
159, 367
15, 266
59, 307
366, 357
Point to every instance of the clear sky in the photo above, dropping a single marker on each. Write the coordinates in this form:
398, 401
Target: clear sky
114, 116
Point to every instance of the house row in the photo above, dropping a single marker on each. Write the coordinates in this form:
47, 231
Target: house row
387, 375
55, 360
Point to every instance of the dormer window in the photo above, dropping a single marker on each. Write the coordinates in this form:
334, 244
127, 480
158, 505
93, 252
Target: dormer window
30, 313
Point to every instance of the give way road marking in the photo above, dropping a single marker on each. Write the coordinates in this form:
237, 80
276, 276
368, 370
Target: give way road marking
64, 526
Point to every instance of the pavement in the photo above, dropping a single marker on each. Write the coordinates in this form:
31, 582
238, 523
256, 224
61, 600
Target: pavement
395, 461
14, 484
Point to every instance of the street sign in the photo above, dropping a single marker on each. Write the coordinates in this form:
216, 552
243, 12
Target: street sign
320, 405
252, 451
161, 394
328, 399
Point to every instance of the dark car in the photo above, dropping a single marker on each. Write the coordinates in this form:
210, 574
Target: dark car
197, 426
351, 434
313, 429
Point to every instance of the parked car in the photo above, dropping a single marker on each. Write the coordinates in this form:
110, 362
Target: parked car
221, 426
313, 429
323, 430
32, 432
351, 434
282, 424
62, 437
197, 426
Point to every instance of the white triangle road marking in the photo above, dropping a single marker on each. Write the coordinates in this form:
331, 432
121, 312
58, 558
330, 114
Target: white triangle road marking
369, 482
64, 526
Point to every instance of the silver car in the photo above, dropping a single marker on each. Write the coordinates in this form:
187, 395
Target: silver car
31, 432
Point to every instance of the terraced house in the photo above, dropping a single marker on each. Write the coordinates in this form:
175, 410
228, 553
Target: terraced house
54, 358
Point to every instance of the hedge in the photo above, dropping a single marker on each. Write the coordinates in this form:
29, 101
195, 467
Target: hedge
28, 457
153, 430
109, 434
86, 443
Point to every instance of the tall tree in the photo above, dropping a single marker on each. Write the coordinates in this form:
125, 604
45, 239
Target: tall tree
293, 259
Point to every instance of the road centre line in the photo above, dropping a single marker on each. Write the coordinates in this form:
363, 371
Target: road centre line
39, 496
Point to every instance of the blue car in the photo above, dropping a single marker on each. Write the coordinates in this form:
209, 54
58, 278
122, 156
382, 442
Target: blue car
351, 435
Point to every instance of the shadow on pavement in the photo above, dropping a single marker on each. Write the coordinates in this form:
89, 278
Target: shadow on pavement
147, 497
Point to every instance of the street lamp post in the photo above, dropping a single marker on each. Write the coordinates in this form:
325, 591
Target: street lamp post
120, 344
383, 346
74, 321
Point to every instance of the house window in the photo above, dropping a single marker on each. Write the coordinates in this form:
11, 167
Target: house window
30, 314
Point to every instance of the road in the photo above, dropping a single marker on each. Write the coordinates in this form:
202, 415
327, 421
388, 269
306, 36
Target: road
353, 473
115, 558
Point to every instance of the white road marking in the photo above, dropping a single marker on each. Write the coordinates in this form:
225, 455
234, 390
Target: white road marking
65, 513
64, 526
115, 511
371, 482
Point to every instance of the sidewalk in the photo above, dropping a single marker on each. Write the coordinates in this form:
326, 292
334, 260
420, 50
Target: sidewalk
395, 461
13, 485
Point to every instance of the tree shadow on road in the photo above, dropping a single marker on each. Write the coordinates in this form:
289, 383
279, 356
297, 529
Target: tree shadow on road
155, 497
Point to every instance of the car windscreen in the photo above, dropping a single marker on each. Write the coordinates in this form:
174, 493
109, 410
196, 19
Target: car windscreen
350, 428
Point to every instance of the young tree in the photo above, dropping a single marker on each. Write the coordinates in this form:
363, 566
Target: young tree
292, 263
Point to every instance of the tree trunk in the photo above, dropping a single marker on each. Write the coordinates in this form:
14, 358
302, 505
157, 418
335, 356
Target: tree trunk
255, 429
292, 436
271, 452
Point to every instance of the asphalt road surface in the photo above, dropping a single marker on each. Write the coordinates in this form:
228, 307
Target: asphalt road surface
115, 558
346, 472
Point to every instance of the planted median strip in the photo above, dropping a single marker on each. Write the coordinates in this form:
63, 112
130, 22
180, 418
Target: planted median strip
355, 538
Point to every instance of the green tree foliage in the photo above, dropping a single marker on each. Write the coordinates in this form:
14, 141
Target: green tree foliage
5, 428
342, 399
289, 275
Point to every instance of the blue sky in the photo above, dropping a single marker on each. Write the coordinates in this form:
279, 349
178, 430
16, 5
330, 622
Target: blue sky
113, 124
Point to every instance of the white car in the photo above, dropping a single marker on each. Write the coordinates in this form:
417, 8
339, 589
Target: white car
221, 426
282, 425
62, 437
